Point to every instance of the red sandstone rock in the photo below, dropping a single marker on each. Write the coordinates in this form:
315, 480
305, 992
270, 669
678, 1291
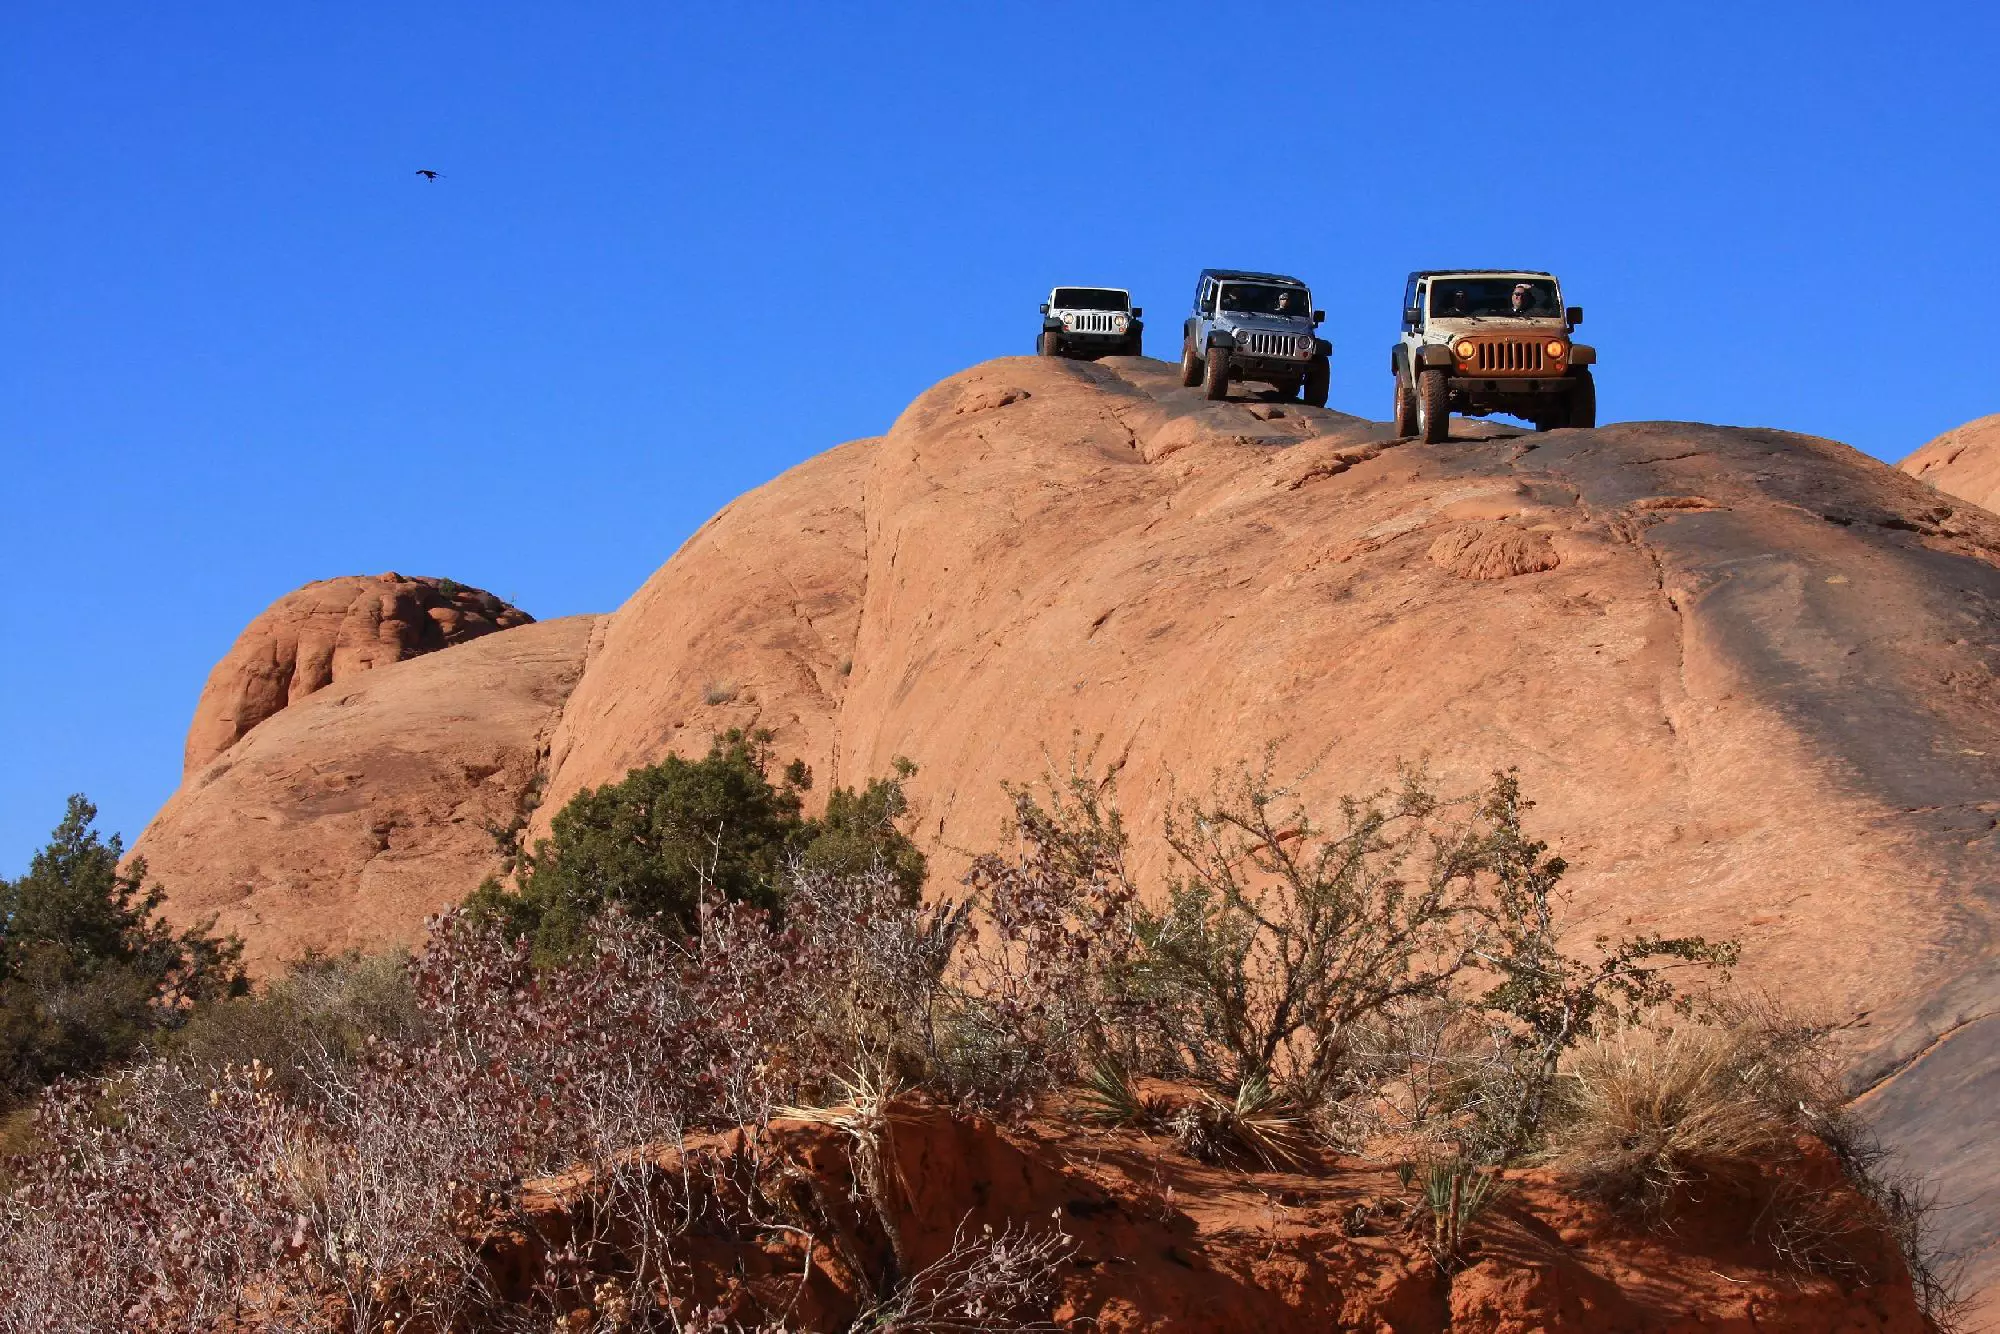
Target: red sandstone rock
1964, 462
351, 816
331, 631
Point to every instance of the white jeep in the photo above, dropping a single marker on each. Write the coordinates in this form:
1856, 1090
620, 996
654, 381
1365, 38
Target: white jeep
1489, 340
1090, 322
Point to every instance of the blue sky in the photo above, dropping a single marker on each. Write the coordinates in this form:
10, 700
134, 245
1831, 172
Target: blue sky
678, 248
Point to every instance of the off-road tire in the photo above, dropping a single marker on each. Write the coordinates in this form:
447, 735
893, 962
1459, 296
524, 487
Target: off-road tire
1132, 346
1319, 376
1215, 374
1048, 345
1582, 413
1190, 365
1406, 407
1434, 406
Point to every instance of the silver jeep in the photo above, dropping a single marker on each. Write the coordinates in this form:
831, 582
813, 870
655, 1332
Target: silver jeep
1489, 340
1090, 322
1254, 326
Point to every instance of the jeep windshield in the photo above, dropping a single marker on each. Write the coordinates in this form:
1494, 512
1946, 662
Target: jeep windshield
1263, 299
1088, 298
1504, 298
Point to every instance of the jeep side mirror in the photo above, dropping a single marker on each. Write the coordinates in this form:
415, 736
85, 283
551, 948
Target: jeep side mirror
1413, 316
1137, 311
1319, 317
1045, 307
1574, 315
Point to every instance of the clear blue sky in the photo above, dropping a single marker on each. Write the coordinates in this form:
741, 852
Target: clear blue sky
678, 248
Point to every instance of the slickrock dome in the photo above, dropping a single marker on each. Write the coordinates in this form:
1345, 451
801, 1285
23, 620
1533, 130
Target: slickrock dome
349, 817
331, 631
1963, 462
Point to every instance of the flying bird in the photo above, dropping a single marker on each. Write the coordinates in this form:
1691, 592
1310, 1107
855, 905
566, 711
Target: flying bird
427, 174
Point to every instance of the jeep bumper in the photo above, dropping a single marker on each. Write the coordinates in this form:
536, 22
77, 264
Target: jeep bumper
1508, 386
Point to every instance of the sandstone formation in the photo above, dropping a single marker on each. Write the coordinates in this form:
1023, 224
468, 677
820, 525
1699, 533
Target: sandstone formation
1964, 462
333, 630
1747, 675
352, 815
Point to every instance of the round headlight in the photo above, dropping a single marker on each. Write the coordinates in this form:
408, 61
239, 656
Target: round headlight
1464, 349
1557, 348
1118, 323
1069, 321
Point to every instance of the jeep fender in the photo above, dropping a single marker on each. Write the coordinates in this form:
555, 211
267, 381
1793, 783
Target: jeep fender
1050, 324
1399, 356
1322, 348
1435, 355
1222, 338
1582, 354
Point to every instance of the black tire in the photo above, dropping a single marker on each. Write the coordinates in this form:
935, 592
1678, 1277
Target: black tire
1215, 374
1406, 406
1048, 345
1583, 400
1434, 406
1190, 365
1319, 377
1133, 346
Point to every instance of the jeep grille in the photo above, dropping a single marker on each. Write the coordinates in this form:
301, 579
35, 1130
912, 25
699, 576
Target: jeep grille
1091, 321
1508, 356
1254, 344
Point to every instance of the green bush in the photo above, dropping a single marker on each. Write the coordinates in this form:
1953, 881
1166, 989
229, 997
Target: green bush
674, 835
88, 971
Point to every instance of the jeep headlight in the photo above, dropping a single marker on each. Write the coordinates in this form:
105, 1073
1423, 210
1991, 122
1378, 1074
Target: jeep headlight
1464, 349
1557, 349
1069, 322
1118, 323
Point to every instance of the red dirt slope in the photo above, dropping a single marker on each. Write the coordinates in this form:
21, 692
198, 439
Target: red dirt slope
1164, 1243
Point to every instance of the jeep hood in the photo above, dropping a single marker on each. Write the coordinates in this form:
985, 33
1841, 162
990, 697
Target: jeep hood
1456, 326
1267, 323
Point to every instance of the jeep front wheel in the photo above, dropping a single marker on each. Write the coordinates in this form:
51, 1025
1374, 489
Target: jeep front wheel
1406, 406
1049, 345
1583, 400
1318, 376
1434, 407
1132, 346
1190, 365
1215, 374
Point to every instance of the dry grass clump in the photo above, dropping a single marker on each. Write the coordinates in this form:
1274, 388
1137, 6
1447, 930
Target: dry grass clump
1654, 1120
1650, 1114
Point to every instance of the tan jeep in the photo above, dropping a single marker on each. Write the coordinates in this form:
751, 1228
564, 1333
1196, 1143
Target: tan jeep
1479, 341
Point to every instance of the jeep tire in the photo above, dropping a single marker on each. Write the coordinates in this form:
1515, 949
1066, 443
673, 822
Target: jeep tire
1434, 406
1132, 346
1215, 374
1048, 345
1318, 377
1582, 400
1406, 407
1190, 365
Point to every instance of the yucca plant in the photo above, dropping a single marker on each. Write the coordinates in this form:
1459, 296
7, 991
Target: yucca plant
1456, 1194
